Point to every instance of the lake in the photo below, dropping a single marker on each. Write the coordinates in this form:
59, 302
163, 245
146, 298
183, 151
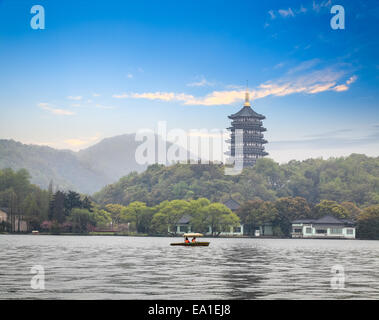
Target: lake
112, 267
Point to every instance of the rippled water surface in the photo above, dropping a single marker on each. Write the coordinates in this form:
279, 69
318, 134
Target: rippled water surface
109, 267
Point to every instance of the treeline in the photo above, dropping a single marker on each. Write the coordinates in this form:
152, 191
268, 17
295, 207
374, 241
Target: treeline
354, 178
281, 212
159, 219
155, 200
46, 210
21, 199
70, 212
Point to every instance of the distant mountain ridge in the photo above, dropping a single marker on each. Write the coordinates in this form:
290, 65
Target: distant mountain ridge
86, 171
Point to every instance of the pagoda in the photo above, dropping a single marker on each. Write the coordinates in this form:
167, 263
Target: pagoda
246, 137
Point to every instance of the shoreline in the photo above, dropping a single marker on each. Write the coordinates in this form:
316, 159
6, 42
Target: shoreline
170, 236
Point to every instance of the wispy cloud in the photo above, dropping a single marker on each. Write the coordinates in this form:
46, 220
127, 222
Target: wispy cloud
77, 98
164, 96
344, 87
80, 142
306, 65
313, 82
56, 111
286, 13
121, 96
272, 14
100, 106
292, 12
317, 6
341, 142
351, 80
279, 65
201, 83
129, 76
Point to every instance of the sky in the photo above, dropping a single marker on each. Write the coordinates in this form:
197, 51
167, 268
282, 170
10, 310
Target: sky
104, 68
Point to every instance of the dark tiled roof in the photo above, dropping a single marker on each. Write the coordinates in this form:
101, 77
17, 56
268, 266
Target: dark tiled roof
328, 220
184, 220
6, 210
232, 204
246, 111
325, 220
304, 221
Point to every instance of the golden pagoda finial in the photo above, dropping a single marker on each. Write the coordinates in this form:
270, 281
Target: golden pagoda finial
247, 98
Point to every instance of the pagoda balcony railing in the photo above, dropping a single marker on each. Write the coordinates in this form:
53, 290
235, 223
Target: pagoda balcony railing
245, 126
251, 151
247, 140
248, 149
246, 157
248, 128
247, 135
248, 122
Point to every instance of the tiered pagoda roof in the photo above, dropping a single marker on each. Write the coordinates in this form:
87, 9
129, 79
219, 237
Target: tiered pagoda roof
250, 122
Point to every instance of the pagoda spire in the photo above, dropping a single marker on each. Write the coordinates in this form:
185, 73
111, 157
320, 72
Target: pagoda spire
247, 97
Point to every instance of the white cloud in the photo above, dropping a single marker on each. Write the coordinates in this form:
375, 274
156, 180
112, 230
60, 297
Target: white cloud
56, 111
302, 10
100, 106
120, 96
272, 14
318, 6
129, 75
341, 87
304, 66
279, 65
96, 95
311, 83
75, 98
164, 96
80, 142
286, 13
344, 87
351, 80
201, 83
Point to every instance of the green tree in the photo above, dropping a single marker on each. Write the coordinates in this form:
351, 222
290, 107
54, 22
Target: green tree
255, 213
328, 207
71, 201
139, 215
290, 209
174, 211
115, 210
101, 218
219, 217
352, 210
81, 219
368, 223
57, 207
159, 223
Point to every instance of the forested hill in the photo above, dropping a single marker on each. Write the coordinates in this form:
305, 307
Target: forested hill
354, 178
85, 171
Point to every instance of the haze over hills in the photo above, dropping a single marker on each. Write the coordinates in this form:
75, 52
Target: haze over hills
86, 171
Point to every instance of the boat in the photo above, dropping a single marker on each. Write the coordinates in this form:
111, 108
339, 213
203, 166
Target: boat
191, 244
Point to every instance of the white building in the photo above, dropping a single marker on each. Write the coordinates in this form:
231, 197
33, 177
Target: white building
17, 226
325, 227
184, 226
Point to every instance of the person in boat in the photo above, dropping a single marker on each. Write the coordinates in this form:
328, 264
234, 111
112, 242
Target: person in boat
193, 240
186, 240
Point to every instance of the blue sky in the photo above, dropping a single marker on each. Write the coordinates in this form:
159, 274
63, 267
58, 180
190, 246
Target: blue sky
104, 68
